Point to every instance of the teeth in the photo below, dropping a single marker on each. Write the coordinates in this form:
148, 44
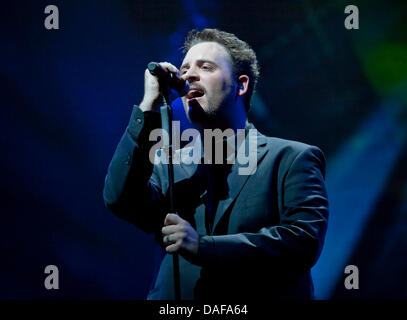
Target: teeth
195, 93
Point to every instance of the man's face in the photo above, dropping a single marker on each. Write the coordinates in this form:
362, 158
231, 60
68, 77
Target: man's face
208, 68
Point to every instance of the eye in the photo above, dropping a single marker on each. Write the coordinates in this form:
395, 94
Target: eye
207, 67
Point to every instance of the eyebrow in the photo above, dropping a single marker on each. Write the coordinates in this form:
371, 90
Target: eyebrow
201, 61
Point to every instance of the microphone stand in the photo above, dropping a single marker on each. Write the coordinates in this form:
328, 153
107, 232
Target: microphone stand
166, 124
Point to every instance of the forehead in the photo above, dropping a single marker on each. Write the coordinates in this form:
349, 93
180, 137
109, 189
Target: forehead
212, 51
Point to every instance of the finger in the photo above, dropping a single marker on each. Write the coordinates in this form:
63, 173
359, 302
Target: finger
151, 82
171, 229
173, 237
172, 218
170, 67
167, 240
174, 247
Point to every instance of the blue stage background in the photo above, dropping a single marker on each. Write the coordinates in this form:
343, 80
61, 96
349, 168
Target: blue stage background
67, 96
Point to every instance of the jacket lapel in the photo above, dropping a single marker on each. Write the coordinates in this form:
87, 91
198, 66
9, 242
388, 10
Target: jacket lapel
236, 180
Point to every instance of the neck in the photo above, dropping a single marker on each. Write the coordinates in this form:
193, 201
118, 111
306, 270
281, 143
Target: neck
220, 144
229, 120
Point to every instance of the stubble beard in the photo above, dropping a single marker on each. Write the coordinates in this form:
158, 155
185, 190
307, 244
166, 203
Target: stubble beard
214, 116
203, 118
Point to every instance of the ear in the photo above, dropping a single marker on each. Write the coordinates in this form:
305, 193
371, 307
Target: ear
242, 84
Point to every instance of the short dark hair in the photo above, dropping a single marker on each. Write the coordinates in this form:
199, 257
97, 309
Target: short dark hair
244, 60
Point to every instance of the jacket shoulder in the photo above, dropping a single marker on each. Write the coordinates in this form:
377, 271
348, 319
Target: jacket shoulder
287, 151
290, 145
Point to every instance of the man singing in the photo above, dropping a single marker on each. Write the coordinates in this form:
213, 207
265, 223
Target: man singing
238, 236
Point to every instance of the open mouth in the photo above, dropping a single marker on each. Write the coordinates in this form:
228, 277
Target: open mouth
194, 93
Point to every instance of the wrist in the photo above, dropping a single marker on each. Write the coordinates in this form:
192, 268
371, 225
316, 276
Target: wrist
146, 106
150, 104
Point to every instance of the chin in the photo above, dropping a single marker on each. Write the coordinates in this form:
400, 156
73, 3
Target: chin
198, 114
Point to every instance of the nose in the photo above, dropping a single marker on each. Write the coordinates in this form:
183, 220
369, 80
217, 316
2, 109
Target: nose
191, 75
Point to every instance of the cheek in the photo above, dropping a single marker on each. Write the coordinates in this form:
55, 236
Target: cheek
224, 91
219, 90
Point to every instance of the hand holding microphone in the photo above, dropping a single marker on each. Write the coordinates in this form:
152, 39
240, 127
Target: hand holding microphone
156, 76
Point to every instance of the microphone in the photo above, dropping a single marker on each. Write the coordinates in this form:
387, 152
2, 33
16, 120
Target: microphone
171, 79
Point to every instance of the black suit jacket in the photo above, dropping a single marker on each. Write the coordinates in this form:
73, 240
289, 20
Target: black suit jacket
267, 232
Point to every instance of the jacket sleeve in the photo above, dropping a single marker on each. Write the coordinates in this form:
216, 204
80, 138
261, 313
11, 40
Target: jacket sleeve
132, 188
303, 222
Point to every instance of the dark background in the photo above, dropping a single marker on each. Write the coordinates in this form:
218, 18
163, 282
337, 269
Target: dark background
66, 98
